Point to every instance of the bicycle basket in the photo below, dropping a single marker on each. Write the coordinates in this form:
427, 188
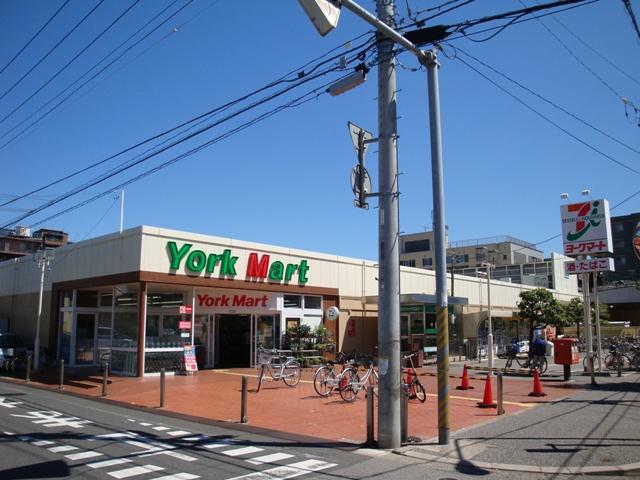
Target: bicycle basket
264, 357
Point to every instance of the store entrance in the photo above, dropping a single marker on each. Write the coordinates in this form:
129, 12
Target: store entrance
233, 341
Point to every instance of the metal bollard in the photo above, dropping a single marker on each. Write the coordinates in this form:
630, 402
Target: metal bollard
590, 367
162, 386
404, 415
243, 401
105, 379
500, 409
28, 379
61, 386
370, 415
620, 362
460, 353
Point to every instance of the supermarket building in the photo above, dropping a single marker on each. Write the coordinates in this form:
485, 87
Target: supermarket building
147, 291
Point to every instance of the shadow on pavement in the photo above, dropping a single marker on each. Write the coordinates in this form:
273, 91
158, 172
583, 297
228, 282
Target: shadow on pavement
53, 469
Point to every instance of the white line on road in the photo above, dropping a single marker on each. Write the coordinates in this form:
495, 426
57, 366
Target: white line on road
216, 445
133, 471
274, 457
42, 443
108, 463
288, 471
176, 433
161, 428
62, 448
242, 451
178, 476
83, 455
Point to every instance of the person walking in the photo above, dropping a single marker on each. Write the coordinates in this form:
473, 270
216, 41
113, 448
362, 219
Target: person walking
539, 353
513, 352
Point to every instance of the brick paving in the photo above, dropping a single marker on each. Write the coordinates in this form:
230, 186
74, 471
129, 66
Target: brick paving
299, 411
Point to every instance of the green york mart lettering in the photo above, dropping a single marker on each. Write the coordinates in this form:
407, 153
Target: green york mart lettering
197, 261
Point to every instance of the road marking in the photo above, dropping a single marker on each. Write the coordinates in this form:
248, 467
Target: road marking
161, 429
108, 463
8, 404
83, 455
178, 476
274, 457
288, 471
9, 434
42, 443
242, 451
145, 424
62, 448
133, 471
179, 456
50, 418
115, 435
130, 420
216, 445
176, 433
197, 438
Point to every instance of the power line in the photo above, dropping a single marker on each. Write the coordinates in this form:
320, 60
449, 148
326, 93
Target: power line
55, 75
627, 4
544, 117
558, 107
52, 49
35, 35
208, 114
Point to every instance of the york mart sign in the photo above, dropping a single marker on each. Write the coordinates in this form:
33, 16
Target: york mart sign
225, 264
586, 228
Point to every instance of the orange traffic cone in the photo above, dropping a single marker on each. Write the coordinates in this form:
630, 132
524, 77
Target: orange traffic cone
537, 386
464, 385
487, 400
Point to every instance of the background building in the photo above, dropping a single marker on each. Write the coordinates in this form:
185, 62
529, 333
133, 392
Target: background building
19, 241
625, 231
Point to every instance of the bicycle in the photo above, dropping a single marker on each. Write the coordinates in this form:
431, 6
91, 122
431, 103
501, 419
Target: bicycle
286, 369
355, 384
411, 385
325, 379
614, 360
538, 363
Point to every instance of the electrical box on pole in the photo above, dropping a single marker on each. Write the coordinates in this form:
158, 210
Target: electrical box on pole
360, 180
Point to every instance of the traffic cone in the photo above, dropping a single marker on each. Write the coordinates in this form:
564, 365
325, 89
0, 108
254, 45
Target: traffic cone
537, 386
487, 400
464, 385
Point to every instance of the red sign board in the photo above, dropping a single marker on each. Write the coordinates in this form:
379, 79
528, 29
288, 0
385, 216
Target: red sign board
185, 309
184, 325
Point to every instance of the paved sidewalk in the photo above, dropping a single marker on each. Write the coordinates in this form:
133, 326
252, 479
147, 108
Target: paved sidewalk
573, 426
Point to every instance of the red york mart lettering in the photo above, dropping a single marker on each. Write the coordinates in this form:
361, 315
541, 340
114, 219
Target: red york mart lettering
233, 301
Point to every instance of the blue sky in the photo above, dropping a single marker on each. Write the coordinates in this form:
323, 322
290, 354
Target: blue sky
285, 180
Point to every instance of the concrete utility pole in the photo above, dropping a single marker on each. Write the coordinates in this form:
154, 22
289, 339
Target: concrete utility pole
389, 281
43, 258
489, 322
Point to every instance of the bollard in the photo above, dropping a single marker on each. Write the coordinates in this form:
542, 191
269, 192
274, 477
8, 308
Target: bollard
28, 379
460, 353
620, 362
243, 401
162, 385
404, 415
105, 379
370, 415
590, 367
61, 386
500, 395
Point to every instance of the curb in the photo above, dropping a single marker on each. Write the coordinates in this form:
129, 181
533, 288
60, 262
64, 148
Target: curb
619, 469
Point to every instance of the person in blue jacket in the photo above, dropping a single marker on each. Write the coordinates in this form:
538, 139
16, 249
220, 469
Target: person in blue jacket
539, 350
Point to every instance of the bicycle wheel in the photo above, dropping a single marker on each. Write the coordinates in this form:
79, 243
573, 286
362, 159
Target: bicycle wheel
323, 381
373, 382
291, 373
543, 365
260, 376
523, 362
611, 362
350, 390
420, 393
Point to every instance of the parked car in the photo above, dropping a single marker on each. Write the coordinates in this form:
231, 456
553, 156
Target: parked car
12, 351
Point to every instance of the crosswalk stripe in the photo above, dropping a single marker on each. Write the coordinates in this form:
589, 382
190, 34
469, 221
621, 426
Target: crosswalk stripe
62, 448
161, 428
83, 455
178, 476
133, 471
42, 443
242, 451
216, 445
288, 471
197, 438
274, 457
108, 463
146, 424
8, 433
176, 433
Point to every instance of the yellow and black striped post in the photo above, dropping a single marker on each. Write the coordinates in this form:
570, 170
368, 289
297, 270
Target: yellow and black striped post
442, 341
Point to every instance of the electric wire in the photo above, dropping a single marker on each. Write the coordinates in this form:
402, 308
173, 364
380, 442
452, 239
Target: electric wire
35, 35
75, 27
23, 131
546, 100
78, 55
280, 80
547, 119
627, 4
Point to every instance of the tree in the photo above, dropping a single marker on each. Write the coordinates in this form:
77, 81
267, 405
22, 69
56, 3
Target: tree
541, 309
574, 313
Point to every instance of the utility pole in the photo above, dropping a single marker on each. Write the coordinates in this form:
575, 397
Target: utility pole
121, 210
389, 280
43, 259
489, 322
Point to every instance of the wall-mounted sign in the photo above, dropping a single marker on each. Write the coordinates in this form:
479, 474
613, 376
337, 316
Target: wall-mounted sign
182, 325
239, 300
185, 309
586, 228
588, 266
332, 313
258, 267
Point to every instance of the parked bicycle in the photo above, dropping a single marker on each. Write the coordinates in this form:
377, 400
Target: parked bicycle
280, 367
411, 384
326, 379
615, 359
354, 383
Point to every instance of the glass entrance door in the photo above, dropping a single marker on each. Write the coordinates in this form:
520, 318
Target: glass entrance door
85, 338
266, 333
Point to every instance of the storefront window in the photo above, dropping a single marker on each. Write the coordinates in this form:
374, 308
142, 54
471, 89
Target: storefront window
125, 329
312, 302
66, 299
87, 299
170, 334
66, 323
165, 300
106, 299
152, 332
292, 301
